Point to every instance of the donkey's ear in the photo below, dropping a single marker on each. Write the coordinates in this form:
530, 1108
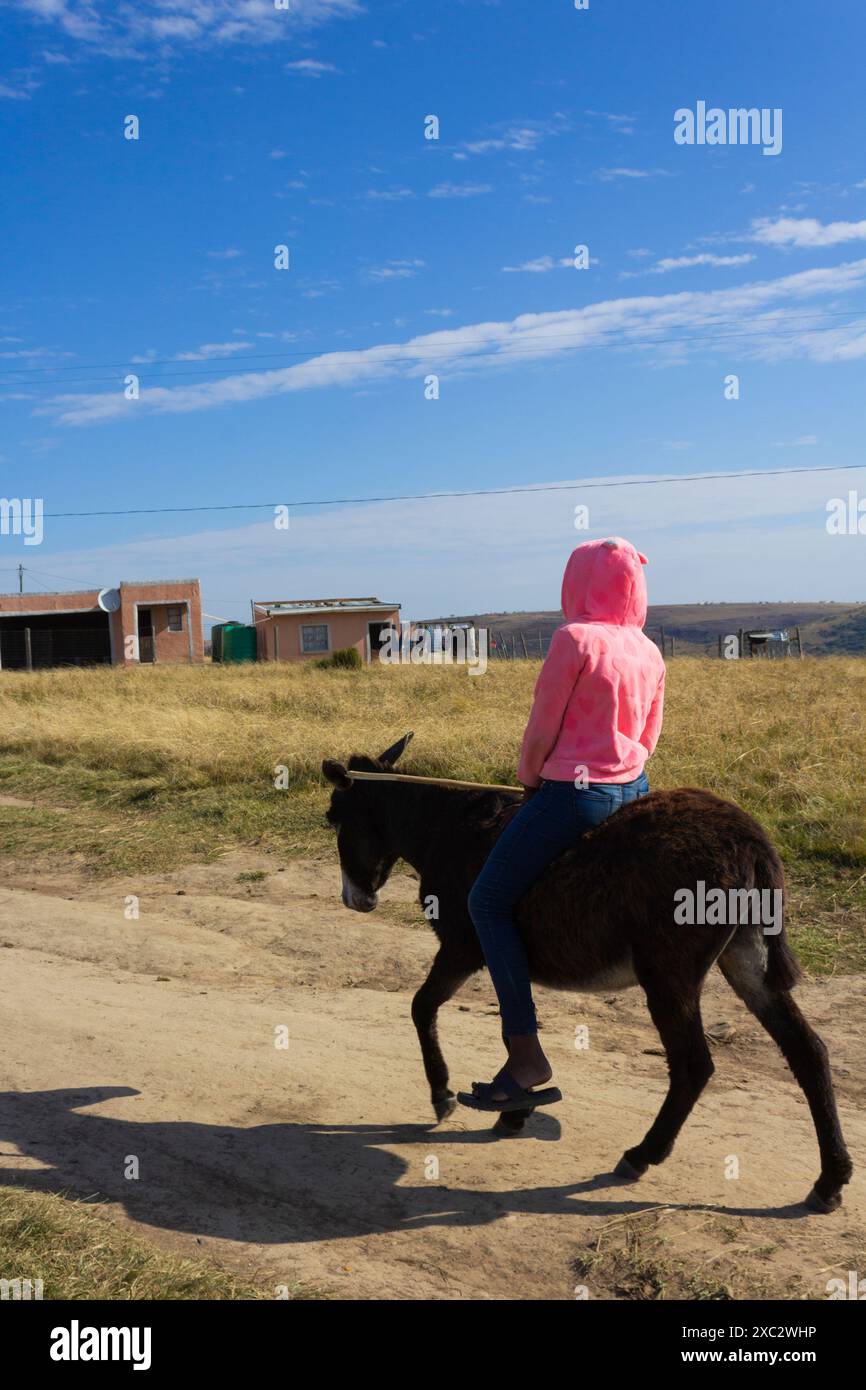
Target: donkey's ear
396, 750
336, 774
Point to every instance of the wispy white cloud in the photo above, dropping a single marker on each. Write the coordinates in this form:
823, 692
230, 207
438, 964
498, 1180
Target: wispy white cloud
620, 172
130, 30
620, 125
231, 253
459, 190
805, 232
516, 138
31, 352
703, 258
540, 266
771, 326
388, 195
311, 67
205, 353
19, 87
395, 270
522, 137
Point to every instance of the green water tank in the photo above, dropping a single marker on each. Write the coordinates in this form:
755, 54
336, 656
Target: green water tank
233, 642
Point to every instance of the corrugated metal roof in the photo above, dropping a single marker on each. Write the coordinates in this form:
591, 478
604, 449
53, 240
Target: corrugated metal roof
153, 583
325, 605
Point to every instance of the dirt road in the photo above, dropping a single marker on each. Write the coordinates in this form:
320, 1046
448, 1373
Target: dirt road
157, 1039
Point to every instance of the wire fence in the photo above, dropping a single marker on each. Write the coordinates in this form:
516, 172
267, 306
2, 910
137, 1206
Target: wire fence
533, 644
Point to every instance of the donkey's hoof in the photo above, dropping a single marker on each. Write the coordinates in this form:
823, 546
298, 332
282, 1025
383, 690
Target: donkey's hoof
823, 1205
627, 1170
445, 1106
507, 1127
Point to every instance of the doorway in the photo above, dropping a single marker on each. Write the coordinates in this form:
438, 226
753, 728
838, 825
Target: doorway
375, 633
146, 645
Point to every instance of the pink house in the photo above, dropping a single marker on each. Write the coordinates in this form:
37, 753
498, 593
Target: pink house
303, 629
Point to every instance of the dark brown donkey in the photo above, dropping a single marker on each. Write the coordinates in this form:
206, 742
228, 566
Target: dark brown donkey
603, 917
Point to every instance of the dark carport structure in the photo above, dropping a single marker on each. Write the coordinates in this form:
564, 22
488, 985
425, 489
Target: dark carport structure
58, 637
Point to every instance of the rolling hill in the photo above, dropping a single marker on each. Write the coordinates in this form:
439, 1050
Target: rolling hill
826, 629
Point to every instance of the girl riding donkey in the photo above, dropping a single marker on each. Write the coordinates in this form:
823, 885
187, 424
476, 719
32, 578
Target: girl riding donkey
595, 719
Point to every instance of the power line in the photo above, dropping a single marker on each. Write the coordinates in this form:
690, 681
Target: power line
474, 492
65, 578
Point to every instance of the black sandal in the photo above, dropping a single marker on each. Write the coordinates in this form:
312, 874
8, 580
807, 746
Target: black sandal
518, 1098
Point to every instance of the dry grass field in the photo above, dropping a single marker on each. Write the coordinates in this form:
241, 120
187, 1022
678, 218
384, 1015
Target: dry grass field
149, 768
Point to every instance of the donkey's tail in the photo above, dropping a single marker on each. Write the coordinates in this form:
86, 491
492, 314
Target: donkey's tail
783, 968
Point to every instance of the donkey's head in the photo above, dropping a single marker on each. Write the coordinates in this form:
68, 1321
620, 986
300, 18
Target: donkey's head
366, 856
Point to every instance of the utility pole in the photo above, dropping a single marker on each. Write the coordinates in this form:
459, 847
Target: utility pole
21, 579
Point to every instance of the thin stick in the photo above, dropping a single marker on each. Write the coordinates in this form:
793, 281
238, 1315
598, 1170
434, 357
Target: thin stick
430, 781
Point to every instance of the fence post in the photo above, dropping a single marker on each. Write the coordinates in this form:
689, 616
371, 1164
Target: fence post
523, 640
28, 651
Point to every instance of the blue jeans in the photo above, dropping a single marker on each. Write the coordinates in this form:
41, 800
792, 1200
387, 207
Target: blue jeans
544, 827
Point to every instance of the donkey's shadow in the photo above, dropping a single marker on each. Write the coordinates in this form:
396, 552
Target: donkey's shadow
278, 1183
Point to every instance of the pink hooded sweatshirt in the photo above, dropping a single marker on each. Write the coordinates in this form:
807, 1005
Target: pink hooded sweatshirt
597, 711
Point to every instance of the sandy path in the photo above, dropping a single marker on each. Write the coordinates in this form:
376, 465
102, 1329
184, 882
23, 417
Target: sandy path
319, 1162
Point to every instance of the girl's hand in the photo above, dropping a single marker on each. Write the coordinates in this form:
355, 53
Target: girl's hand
528, 794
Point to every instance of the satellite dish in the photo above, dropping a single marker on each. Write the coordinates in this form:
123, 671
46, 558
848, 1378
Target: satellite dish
108, 600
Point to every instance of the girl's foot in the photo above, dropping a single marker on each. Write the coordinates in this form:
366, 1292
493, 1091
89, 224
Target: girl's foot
527, 1076
526, 1063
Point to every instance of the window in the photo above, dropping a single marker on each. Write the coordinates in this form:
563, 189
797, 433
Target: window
175, 619
314, 637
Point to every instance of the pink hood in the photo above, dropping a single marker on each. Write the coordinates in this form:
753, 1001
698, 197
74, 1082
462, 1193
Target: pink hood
604, 583
597, 710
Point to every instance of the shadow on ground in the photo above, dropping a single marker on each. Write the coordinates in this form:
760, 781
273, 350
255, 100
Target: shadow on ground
282, 1183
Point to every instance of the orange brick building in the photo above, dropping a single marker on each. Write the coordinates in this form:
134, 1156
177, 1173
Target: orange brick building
136, 623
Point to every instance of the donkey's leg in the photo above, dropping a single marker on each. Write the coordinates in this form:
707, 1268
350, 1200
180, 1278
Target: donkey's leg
445, 978
690, 1067
743, 966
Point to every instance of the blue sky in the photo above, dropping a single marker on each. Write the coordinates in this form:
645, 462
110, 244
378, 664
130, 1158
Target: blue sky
408, 257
